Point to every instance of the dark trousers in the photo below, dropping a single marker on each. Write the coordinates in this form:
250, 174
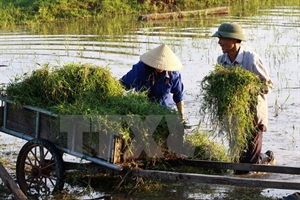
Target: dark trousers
251, 154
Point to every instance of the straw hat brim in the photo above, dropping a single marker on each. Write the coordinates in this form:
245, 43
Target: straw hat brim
162, 57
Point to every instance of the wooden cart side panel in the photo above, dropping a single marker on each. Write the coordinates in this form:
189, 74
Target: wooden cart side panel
49, 130
94, 144
97, 144
21, 120
24, 121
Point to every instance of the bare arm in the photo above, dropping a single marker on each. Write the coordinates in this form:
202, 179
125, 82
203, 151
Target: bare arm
180, 108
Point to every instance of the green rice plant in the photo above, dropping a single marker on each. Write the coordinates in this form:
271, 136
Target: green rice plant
229, 99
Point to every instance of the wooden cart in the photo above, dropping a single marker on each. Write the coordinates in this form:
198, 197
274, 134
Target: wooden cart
40, 168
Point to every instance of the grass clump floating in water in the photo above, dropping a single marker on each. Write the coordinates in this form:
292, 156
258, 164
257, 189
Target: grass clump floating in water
229, 99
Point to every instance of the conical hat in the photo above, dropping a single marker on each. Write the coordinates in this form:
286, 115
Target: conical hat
162, 57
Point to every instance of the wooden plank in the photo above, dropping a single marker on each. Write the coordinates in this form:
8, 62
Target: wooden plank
21, 120
236, 166
10, 183
89, 167
184, 14
215, 179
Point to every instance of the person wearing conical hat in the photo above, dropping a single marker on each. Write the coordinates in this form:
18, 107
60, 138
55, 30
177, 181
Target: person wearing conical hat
230, 36
157, 72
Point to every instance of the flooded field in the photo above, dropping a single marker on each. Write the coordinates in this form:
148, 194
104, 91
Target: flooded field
274, 34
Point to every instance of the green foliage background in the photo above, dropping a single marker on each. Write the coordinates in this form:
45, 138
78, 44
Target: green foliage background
37, 11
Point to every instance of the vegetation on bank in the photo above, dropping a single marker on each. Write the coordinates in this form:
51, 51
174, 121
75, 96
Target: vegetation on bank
35, 11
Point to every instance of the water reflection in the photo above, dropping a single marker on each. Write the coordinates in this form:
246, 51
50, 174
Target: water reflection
117, 43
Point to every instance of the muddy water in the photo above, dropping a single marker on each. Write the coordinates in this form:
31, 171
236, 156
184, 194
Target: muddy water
274, 34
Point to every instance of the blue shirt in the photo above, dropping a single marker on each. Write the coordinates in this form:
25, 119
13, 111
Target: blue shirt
166, 88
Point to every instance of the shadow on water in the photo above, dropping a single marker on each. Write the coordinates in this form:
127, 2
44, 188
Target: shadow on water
118, 42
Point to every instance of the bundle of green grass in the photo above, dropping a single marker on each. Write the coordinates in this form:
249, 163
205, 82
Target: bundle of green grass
229, 99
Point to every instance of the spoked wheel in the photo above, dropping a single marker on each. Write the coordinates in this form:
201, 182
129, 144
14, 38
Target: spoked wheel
39, 168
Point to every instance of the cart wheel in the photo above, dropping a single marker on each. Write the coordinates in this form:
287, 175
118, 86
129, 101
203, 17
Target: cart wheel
39, 168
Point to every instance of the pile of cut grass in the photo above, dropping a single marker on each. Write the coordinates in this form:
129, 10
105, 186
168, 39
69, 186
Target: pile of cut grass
229, 99
50, 87
78, 89
90, 91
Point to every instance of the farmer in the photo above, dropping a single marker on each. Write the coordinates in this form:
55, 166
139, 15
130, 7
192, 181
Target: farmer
157, 73
230, 37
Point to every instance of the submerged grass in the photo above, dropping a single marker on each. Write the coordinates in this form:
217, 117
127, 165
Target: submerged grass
229, 104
